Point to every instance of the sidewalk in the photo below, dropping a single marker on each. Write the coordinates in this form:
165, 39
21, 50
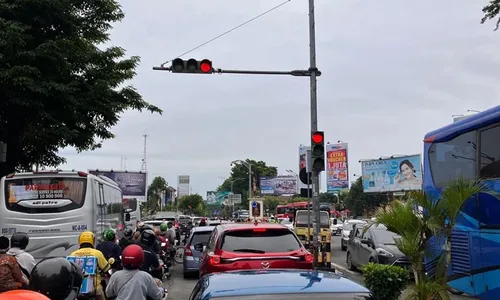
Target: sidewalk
358, 277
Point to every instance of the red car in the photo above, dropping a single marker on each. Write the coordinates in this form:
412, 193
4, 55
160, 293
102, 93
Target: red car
253, 246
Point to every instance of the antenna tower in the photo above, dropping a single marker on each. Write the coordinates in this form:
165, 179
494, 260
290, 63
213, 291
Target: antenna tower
144, 164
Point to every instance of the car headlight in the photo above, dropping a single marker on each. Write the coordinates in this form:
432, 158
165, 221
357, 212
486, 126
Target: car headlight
383, 252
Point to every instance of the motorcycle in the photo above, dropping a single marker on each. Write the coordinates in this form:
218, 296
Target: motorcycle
91, 294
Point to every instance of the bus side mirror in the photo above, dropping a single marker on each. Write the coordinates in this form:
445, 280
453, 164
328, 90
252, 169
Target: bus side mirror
335, 221
127, 217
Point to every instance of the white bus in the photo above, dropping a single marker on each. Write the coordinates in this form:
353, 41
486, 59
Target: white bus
54, 207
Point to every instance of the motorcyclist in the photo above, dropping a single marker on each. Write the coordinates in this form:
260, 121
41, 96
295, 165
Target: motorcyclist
151, 262
203, 222
110, 249
127, 238
131, 283
22, 295
56, 278
86, 240
161, 239
11, 276
18, 242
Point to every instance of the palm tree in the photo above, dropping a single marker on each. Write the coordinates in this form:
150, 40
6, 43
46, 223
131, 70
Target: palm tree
419, 219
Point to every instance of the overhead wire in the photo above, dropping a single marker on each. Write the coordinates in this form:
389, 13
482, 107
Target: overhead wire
229, 31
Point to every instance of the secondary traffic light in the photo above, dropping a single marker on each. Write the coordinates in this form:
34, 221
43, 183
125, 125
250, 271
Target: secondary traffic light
192, 66
318, 151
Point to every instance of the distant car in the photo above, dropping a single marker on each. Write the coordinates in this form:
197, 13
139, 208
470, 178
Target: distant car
286, 222
336, 226
346, 229
278, 285
374, 244
242, 246
195, 244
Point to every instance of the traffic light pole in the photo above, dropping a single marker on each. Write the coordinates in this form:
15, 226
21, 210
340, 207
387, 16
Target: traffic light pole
297, 73
314, 127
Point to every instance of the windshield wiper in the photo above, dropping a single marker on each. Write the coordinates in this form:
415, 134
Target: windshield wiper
249, 250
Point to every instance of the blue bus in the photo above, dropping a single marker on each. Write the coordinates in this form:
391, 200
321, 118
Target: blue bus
469, 149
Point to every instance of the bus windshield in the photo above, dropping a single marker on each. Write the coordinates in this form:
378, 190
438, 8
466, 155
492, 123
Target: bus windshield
281, 209
44, 194
302, 218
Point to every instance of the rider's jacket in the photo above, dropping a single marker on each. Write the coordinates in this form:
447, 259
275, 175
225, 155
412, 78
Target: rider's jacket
151, 261
111, 249
25, 260
132, 285
101, 262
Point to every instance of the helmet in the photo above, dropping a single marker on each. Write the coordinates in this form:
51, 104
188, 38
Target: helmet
56, 278
146, 227
163, 227
22, 295
108, 235
132, 257
128, 232
148, 237
86, 237
19, 240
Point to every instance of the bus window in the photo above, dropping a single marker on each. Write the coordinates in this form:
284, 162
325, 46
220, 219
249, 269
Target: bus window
490, 153
45, 194
452, 159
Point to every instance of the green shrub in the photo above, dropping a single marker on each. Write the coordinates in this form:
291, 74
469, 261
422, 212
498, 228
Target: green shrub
384, 281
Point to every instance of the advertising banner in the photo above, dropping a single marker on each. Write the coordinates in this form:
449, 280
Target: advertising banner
337, 174
132, 184
216, 198
392, 174
303, 163
278, 185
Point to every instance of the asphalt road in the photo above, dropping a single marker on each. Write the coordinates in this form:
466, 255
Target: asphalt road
180, 288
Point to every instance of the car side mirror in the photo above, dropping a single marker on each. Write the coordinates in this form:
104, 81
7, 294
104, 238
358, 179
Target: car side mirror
335, 222
365, 241
127, 217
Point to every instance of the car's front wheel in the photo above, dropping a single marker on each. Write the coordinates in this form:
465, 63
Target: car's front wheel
350, 266
343, 246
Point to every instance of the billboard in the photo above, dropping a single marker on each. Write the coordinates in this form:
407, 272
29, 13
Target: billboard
132, 184
278, 185
392, 174
216, 198
183, 185
337, 174
303, 162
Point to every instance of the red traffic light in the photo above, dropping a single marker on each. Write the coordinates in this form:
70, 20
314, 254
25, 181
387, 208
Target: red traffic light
318, 137
206, 66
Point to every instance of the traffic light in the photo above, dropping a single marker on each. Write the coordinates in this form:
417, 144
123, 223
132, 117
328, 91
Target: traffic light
318, 151
192, 66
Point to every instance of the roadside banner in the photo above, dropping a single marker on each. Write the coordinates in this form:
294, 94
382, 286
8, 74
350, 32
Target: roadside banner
392, 174
133, 184
337, 171
278, 185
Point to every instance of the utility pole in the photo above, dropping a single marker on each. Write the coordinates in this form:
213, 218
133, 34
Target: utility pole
144, 163
314, 126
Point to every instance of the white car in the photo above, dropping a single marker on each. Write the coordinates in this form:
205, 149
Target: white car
286, 222
336, 226
347, 227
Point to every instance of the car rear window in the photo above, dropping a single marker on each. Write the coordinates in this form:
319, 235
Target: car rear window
250, 241
200, 237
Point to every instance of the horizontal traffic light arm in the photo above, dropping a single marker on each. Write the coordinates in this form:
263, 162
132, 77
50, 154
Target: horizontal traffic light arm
299, 73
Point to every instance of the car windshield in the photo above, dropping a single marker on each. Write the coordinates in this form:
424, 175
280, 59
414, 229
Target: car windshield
383, 236
268, 241
200, 238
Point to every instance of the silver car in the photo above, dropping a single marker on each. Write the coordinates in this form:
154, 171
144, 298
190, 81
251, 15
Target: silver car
346, 230
196, 243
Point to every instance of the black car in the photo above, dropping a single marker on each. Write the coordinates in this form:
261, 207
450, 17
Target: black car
374, 244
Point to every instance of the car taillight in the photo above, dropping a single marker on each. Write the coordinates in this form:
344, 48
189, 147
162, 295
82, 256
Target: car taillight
187, 250
214, 259
308, 258
259, 229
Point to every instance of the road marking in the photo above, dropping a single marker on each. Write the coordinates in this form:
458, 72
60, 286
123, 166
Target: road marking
344, 270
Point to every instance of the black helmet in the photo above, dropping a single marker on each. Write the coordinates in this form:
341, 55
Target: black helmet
146, 227
56, 278
128, 232
148, 237
19, 240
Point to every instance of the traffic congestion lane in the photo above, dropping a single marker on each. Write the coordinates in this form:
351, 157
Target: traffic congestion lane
178, 287
339, 264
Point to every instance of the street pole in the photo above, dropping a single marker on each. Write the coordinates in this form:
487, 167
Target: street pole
314, 126
249, 181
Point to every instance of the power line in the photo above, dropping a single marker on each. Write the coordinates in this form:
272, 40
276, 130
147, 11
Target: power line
229, 31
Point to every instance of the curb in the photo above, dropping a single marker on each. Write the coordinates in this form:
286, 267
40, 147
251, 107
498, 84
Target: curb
344, 270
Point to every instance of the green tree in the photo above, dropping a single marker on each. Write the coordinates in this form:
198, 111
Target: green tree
491, 11
360, 202
191, 204
270, 203
59, 87
239, 178
155, 189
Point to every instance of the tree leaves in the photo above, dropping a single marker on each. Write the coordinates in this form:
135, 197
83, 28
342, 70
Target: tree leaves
491, 11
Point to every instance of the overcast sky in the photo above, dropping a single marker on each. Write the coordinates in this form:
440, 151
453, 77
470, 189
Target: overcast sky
392, 71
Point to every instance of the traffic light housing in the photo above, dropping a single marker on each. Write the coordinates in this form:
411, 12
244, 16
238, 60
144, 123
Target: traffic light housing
192, 66
318, 151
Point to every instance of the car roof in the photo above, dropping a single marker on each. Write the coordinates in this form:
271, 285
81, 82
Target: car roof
203, 229
356, 221
258, 282
250, 226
